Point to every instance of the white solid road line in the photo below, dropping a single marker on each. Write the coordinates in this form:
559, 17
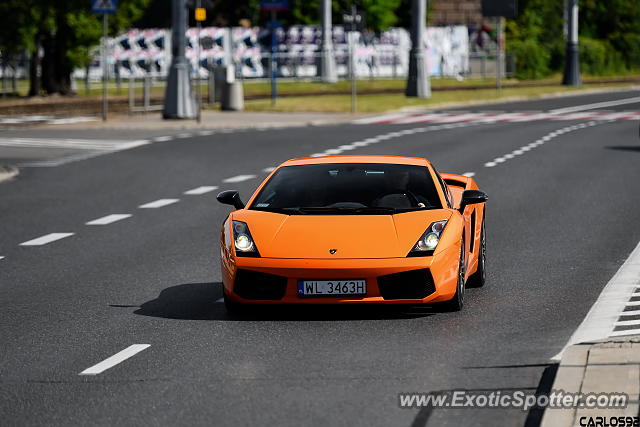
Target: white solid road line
201, 190
238, 178
80, 144
375, 119
47, 238
627, 332
162, 138
158, 203
605, 312
109, 219
605, 104
115, 359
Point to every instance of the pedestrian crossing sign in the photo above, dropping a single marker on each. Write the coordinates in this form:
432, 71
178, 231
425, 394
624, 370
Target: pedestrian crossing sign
104, 6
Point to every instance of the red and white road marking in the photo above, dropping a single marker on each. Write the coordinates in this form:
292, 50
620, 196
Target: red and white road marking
512, 117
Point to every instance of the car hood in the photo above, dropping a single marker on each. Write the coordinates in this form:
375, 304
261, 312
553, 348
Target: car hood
351, 236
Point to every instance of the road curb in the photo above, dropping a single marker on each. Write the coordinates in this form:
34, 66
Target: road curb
7, 172
606, 366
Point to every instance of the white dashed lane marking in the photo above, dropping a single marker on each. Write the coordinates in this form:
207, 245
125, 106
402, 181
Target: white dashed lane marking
1, 257
47, 238
238, 178
159, 203
469, 174
389, 135
115, 359
269, 169
201, 190
546, 138
109, 219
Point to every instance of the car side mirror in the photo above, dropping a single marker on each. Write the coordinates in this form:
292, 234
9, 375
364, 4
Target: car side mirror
231, 197
471, 197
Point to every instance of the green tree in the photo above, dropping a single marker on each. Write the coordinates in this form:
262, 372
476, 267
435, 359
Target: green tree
64, 30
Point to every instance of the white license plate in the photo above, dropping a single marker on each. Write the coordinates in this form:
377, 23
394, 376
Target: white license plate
332, 287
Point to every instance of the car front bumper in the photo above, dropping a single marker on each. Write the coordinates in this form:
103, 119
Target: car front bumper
442, 267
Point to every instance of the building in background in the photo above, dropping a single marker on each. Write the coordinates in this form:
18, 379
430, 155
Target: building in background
463, 12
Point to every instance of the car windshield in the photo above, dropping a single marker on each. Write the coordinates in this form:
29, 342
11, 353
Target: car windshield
348, 188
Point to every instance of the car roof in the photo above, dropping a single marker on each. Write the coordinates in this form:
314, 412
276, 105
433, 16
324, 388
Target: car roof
394, 160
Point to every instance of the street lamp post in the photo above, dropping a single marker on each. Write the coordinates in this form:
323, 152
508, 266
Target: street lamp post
418, 79
178, 99
572, 58
327, 65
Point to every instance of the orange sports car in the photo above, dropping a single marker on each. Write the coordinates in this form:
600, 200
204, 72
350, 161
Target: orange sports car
354, 229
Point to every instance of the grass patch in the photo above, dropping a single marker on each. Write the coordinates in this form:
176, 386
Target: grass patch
387, 102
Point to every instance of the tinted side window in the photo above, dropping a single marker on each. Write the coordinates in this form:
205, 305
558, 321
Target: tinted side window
445, 190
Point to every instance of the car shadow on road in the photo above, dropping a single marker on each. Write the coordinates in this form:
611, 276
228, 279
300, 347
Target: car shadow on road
200, 301
635, 148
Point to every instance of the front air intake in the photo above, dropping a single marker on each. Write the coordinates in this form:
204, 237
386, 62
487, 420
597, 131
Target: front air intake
251, 284
414, 284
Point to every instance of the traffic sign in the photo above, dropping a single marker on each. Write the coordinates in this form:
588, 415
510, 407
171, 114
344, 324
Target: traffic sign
495, 8
274, 5
201, 14
104, 6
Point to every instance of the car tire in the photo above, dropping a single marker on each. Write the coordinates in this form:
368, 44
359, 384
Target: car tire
457, 302
477, 279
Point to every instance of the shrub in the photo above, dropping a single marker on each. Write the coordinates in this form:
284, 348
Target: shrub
598, 57
532, 59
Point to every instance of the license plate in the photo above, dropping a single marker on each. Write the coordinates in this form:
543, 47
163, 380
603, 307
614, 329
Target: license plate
331, 287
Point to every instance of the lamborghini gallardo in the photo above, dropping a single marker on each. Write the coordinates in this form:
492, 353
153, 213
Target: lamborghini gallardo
354, 229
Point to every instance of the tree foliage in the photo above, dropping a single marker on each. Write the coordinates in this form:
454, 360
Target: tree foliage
609, 36
63, 30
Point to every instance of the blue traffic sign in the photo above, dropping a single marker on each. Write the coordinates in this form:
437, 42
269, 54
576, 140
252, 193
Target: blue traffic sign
267, 5
104, 6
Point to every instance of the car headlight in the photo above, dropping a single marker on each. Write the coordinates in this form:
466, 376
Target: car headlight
242, 240
429, 240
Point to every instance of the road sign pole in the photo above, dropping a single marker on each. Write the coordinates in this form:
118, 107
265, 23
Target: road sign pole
274, 60
352, 62
199, 24
499, 55
105, 67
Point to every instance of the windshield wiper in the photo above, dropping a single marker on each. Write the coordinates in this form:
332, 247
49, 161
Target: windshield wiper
286, 211
374, 210
349, 211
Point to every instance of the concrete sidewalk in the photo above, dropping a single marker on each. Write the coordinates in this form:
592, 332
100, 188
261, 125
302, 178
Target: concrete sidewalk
607, 366
213, 120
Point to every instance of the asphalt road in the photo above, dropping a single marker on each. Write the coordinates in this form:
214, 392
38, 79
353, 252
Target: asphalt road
562, 217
